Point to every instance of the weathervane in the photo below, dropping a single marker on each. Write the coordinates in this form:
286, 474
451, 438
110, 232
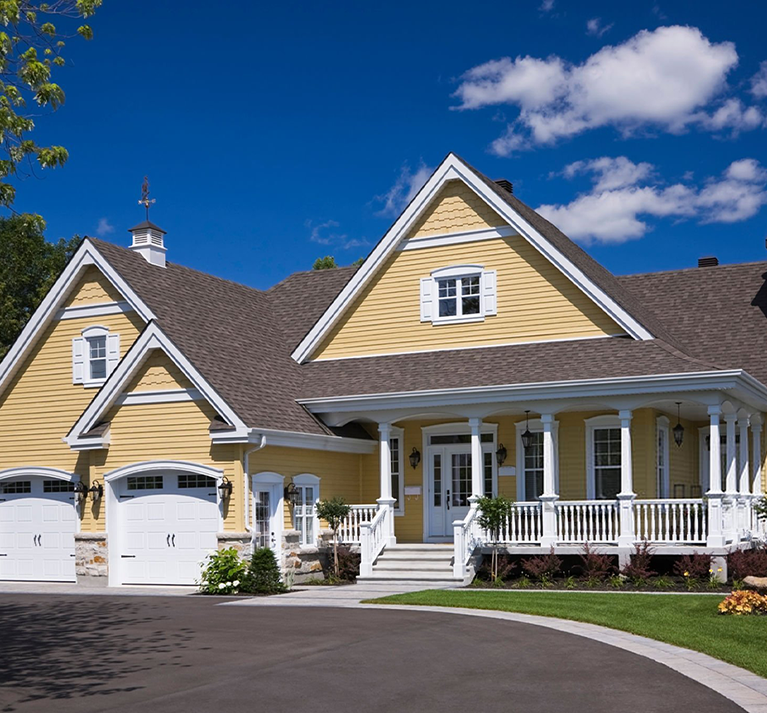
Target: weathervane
145, 200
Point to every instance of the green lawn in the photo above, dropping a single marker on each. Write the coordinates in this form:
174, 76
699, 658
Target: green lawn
686, 620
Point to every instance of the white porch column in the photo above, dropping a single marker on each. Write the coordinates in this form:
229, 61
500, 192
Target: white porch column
549, 497
756, 447
715, 515
477, 475
744, 487
386, 500
627, 494
731, 482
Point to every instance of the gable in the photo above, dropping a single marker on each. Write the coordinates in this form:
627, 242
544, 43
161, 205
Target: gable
93, 288
158, 373
455, 209
535, 302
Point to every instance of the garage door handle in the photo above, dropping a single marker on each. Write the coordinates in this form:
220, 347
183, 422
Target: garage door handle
173, 539
73, 555
128, 557
3, 554
167, 540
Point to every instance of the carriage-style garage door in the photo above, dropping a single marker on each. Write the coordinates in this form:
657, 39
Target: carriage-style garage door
37, 529
167, 525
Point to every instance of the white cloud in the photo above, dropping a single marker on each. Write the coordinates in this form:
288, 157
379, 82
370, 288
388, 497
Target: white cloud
759, 82
546, 6
408, 183
616, 208
104, 228
595, 27
323, 234
665, 79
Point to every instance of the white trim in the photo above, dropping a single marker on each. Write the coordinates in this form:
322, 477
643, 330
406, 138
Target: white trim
468, 270
86, 255
536, 426
268, 477
468, 236
101, 309
151, 338
662, 424
476, 346
175, 466
38, 471
453, 168
399, 434
605, 421
295, 439
308, 480
165, 396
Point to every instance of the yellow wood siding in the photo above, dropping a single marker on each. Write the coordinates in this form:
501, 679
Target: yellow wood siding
93, 288
339, 473
170, 431
456, 208
158, 373
535, 302
41, 403
684, 462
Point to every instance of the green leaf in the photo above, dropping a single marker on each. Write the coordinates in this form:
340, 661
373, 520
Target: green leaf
85, 31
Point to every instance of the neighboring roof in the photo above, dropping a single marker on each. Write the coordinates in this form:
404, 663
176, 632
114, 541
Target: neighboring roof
495, 366
718, 313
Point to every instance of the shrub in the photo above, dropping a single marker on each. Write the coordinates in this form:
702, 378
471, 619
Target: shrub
638, 569
695, 568
223, 572
333, 511
543, 568
348, 566
594, 565
744, 602
263, 575
505, 565
747, 563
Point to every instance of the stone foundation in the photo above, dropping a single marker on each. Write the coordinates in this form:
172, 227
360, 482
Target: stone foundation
307, 562
239, 540
92, 559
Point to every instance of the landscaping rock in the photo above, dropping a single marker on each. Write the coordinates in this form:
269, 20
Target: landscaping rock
757, 583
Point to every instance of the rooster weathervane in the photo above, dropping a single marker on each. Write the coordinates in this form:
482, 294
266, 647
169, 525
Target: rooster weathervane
145, 200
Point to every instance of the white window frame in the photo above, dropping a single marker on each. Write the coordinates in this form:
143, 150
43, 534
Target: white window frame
536, 426
592, 424
662, 470
81, 355
430, 294
302, 481
398, 434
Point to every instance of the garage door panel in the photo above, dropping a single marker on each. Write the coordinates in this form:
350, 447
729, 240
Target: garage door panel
135, 541
23, 512
134, 511
7, 513
157, 540
155, 511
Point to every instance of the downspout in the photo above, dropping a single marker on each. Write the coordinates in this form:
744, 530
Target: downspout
245, 476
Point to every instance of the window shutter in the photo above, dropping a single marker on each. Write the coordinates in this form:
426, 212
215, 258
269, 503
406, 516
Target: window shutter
78, 360
427, 299
489, 292
113, 352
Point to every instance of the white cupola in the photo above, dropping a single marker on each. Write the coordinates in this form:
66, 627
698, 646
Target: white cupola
149, 240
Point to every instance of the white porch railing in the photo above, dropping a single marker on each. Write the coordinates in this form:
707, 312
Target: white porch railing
524, 526
467, 536
350, 532
373, 538
671, 521
594, 521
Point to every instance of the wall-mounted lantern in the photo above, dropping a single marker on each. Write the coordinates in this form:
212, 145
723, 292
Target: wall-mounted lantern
96, 490
415, 457
80, 492
225, 488
500, 454
292, 493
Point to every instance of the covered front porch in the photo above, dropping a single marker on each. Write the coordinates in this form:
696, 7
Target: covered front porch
681, 470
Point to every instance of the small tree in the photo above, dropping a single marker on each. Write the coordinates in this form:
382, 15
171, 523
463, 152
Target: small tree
325, 263
263, 574
333, 511
494, 513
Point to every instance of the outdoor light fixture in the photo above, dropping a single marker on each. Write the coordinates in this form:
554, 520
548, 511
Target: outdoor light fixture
415, 457
500, 454
527, 437
679, 428
292, 493
80, 492
96, 490
225, 488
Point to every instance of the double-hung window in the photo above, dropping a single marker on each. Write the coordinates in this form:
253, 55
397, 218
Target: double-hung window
460, 293
95, 354
603, 457
459, 296
304, 511
530, 459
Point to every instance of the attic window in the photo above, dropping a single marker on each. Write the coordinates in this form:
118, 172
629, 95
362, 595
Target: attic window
94, 355
460, 293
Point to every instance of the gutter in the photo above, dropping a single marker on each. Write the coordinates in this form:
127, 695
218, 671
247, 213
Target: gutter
245, 482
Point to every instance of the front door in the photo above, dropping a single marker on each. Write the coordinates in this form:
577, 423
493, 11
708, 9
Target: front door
266, 516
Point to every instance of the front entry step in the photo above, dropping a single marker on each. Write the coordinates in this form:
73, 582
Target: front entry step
427, 564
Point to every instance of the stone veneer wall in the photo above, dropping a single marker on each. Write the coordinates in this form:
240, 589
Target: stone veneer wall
91, 558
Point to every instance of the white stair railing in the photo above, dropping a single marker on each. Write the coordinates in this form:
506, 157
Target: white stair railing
373, 537
671, 521
467, 536
587, 521
350, 532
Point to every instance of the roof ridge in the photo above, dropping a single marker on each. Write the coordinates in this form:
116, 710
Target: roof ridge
330, 271
694, 269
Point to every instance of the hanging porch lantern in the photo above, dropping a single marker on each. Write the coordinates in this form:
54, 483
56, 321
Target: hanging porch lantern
678, 430
527, 437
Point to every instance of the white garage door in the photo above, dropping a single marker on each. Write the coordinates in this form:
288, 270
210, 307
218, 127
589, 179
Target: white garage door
168, 524
37, 529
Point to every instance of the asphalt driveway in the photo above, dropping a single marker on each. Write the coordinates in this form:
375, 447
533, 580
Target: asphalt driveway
158, 654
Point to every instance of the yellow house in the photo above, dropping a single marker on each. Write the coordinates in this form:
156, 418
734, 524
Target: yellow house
150, 413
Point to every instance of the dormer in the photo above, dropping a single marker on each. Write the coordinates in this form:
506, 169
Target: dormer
149, 240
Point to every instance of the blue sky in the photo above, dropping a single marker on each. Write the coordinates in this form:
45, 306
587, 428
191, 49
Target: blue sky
287, 131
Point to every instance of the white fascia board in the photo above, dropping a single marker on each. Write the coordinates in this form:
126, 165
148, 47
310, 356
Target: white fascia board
469, 236
151, 338
453, 169
165, 396
86, 255
295, 439
93, 310
585, 388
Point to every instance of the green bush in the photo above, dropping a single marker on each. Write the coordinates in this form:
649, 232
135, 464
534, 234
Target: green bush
223, 573
263, 575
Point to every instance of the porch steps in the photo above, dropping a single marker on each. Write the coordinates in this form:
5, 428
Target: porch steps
428, 564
